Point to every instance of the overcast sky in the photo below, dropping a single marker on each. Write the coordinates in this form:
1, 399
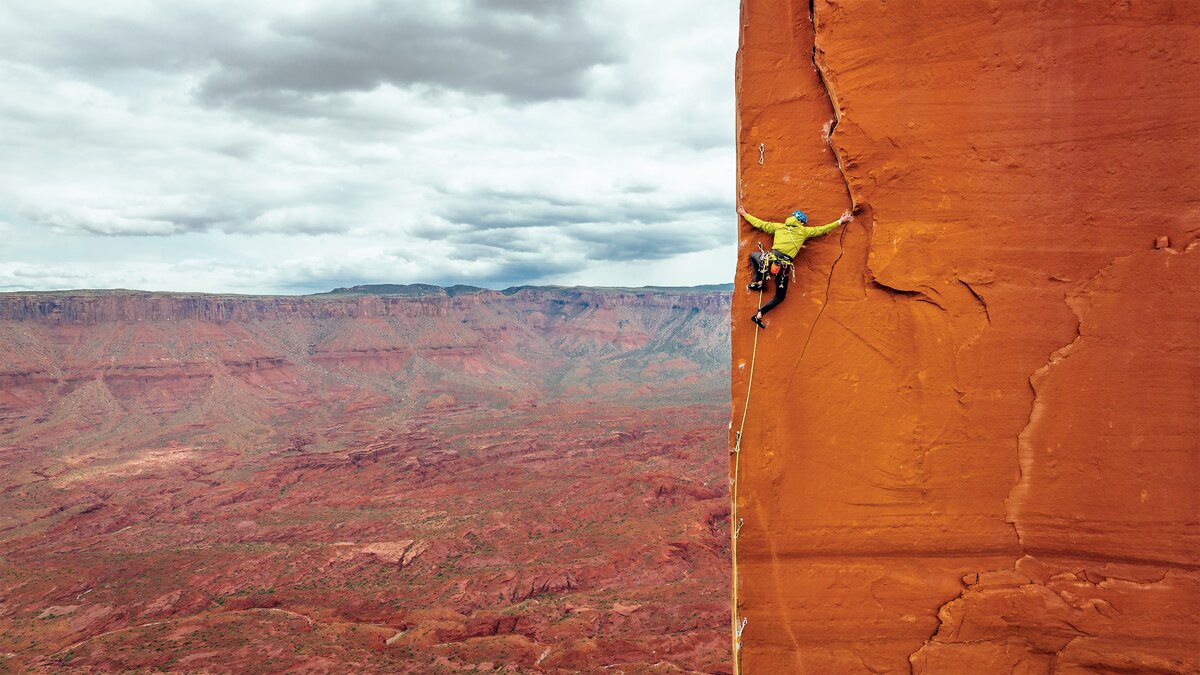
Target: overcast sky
292, 147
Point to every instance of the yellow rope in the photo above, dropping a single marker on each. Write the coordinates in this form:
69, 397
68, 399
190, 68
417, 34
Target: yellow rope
734, 526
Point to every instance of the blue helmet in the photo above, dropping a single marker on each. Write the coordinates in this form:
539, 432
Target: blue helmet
800, 217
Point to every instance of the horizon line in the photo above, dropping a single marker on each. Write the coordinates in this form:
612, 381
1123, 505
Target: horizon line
410, 290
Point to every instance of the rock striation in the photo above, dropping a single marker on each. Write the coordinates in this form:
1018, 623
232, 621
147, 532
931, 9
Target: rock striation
531, 338
971, 442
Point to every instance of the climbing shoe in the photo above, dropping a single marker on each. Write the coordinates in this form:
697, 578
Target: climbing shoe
755, 286
758, 320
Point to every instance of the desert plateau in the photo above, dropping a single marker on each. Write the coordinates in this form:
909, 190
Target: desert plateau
527, 481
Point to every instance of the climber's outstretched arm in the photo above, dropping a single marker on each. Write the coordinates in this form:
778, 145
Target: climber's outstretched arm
826, 229
763, 225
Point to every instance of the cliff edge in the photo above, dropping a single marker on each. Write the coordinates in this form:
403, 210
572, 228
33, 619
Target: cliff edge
971, 441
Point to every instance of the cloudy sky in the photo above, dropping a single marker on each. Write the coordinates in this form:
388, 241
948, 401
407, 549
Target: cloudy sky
300, 145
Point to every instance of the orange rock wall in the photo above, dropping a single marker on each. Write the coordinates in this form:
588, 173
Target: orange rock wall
972, 441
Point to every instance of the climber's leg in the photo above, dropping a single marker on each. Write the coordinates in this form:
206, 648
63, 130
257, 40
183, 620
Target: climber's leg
781, 284
756, 270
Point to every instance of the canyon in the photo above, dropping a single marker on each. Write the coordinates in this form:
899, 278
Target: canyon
970, 440
388, 479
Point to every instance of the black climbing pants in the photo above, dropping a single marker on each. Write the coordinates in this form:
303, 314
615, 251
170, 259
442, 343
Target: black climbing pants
758, 266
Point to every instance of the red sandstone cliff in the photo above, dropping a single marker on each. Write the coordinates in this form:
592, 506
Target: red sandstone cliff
972, 442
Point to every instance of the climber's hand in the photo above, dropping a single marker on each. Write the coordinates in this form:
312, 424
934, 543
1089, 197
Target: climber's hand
845, 218
741, 212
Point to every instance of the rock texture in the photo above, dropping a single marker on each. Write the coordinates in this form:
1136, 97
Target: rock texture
972, 442
363, 483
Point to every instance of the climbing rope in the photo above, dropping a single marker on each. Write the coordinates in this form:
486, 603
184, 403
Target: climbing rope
735, 525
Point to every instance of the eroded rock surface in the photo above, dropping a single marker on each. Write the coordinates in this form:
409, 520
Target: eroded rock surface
972, 442
528, 481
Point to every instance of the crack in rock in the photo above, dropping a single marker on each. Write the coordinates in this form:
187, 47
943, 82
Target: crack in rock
828, 134
1019, 494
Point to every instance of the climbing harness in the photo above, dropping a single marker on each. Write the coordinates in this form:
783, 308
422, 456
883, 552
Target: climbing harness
771, 263
774, 264
735, 523
780, 262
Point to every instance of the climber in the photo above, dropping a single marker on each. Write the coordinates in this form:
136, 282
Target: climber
789, 239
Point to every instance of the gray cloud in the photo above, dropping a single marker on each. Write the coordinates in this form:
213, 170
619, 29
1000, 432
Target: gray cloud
491, 210
475, 265
276, 146
644, 242
173, 215
476, 47
626, 226
293, 60
486, 217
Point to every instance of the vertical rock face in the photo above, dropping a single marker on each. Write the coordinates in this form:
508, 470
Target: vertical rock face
972, 442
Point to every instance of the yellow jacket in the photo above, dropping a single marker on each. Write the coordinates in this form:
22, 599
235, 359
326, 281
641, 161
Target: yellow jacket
790, 234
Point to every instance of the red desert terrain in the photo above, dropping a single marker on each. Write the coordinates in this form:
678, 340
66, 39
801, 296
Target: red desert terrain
524, 481
973, 437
